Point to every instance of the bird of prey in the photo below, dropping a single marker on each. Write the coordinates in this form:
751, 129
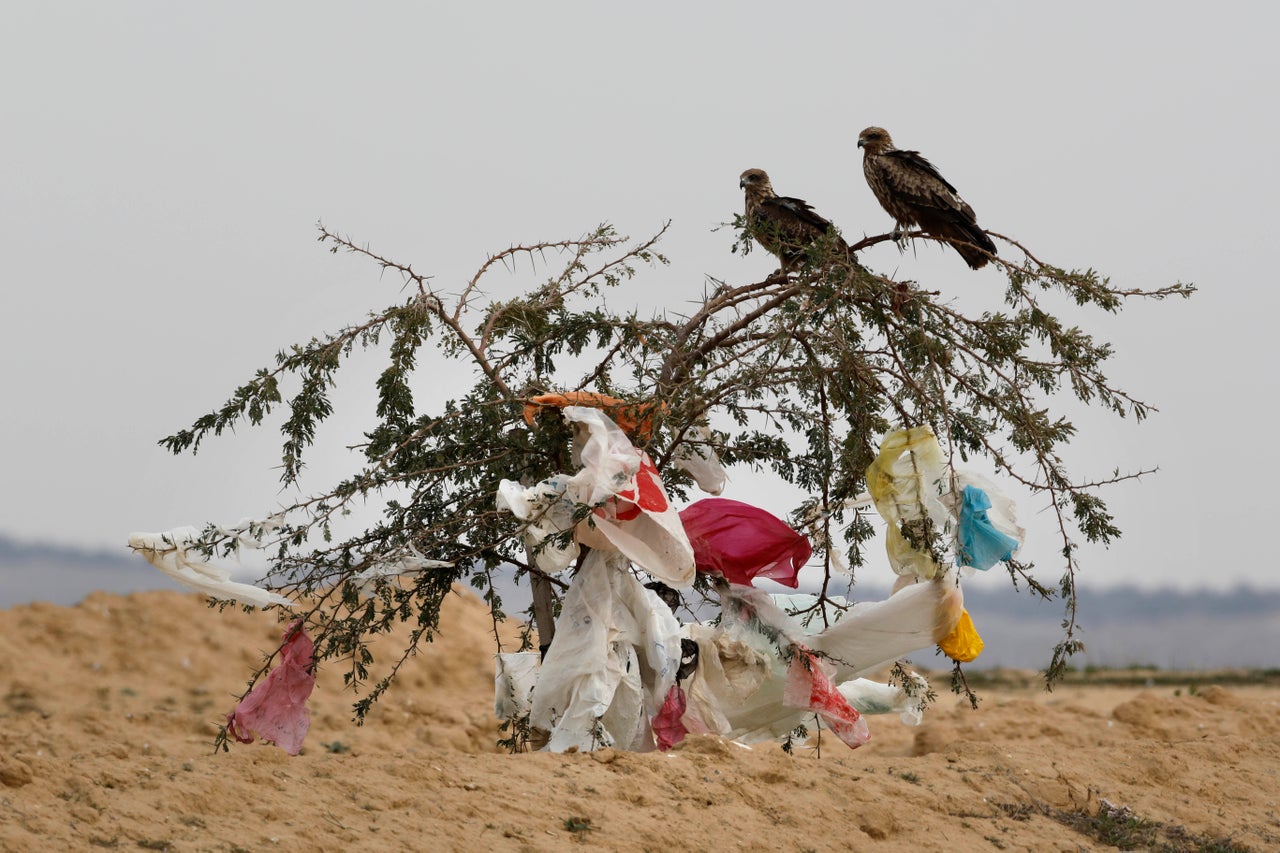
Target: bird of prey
784, 226
913, 193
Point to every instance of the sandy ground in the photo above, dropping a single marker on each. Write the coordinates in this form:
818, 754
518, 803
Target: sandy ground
106, 732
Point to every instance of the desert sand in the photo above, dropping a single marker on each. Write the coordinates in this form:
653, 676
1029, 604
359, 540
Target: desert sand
109, 711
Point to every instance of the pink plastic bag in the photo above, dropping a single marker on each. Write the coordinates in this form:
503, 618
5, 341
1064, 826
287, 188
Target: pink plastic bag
743, 542
276, 709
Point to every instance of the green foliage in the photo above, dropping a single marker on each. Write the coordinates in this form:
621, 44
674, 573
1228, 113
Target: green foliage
798, 374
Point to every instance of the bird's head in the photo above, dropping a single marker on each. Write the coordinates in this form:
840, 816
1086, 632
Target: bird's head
755, 181
875, 140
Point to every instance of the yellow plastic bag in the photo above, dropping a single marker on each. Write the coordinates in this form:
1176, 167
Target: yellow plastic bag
963, 643
907, 481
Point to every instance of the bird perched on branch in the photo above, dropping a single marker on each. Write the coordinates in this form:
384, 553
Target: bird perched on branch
911, 190
784, 226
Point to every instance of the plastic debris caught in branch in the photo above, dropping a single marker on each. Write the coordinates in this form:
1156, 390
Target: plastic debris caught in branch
963, 644
174, 554
980, 542
695, 456
809, 686
400, 564
742, 542
276, 708
614, 657
633, 513
633, 418
907, 481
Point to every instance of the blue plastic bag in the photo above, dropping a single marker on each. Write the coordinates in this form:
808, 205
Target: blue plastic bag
980, 544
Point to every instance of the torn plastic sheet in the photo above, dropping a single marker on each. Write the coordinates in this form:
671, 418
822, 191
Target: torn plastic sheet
407, 562
173, 553
614, 657
980, 541
742, 542
635, 516
695, 456
276, 708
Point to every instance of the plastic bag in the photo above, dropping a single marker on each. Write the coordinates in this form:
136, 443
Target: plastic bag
547, 513
873, 697
399, 565
614, 658
636, 516
742, 542
980, 542
515, 675
668, 730
729, 671
873, 634
696, 456
809, 687
276, 708
170, 553
907, 481
963, 644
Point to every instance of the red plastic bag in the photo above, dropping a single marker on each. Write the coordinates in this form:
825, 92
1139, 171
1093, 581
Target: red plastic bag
667, 726
809, 686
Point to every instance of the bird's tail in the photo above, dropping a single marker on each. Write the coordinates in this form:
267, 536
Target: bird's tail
973, 244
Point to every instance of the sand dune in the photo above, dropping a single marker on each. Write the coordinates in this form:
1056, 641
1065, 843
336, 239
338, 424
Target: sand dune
107, 731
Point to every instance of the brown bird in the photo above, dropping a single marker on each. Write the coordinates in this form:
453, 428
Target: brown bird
784, 226
913, 193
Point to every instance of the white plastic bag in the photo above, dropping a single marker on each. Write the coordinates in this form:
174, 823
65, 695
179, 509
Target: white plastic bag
873, 697
171, 553
696, 456
546, 512
873, 634
636, 518
515, 675
615, 654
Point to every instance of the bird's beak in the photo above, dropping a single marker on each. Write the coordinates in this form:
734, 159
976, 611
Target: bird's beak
861, 142
742, 185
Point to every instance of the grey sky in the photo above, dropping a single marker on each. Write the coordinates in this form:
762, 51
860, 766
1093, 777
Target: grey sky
162, 167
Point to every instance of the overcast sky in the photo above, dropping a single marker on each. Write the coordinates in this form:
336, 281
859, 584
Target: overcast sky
162, 168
